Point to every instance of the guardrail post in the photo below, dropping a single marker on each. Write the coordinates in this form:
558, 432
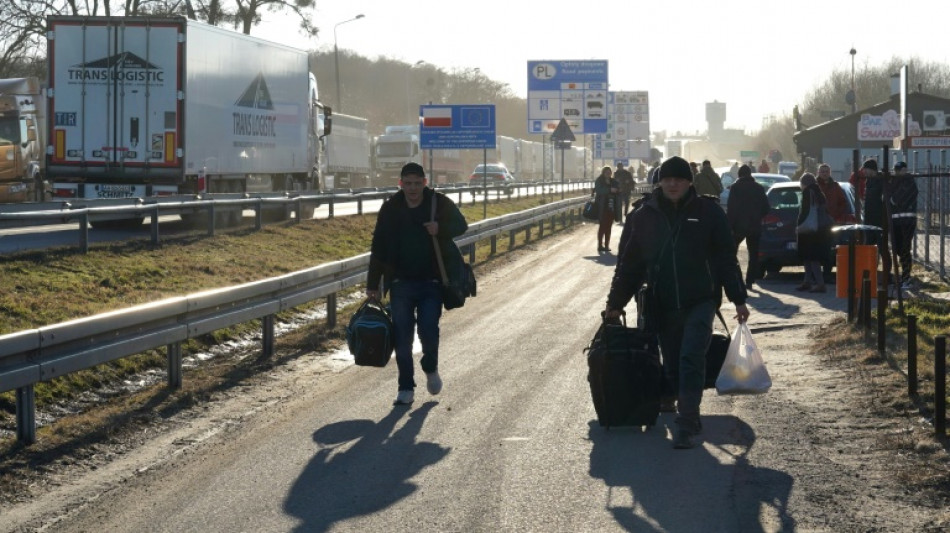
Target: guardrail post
211, 218
84, 232
173, 354
267, 335
259, 214
26, 415
494, 244
912, 355
330, 207
359, 205
511, 240
527, 234
297, 210
331, 310
471, 253
881, 319
154, 225
940, 386
541, 228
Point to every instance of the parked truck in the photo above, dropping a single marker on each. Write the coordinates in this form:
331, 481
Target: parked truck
399, 145
347, 154
145, 106
22, 143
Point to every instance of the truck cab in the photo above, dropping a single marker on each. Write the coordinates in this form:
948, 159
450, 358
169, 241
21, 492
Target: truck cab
21, 150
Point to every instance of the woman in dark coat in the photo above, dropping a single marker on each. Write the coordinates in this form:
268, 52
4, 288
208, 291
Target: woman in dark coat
813, 245
606, 197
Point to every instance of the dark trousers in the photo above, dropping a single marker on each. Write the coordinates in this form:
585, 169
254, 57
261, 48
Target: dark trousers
684, 338
904, 229
416, 303
752, 244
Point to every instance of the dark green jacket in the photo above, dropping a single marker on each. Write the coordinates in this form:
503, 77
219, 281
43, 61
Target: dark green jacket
402, 248
687, 255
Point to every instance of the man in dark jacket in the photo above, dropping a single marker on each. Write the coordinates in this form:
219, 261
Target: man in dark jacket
625, 178
681, 246
403, 253
745, 209
902, 193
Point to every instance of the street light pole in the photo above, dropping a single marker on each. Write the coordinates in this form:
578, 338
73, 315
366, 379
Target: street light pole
852, 96
336, 61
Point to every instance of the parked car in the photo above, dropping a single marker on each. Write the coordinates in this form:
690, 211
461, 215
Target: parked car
778, 247
496, 174
765, 180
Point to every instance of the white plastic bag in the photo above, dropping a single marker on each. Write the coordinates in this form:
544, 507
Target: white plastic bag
743, 371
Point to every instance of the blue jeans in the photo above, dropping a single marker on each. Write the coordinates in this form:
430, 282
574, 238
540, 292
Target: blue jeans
684, 339
415, 303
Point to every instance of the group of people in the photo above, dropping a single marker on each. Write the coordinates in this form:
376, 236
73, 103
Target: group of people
895, 198
677, 253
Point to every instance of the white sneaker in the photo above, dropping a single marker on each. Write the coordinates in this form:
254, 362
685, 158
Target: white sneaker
404, 397
433, 383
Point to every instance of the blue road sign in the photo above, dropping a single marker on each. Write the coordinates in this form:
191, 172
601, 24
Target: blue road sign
456, 127
575, 91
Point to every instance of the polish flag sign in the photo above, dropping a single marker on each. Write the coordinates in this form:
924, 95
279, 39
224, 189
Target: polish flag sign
437, 117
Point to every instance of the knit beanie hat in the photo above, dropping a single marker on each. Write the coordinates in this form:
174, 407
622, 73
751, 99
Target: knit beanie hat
871, 164
412, 169
745, 171
676, 167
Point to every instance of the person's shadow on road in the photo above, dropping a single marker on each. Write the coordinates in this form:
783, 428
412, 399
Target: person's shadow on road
651, 487
361, 467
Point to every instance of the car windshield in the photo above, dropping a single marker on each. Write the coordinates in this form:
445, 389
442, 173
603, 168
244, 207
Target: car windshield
394, 149
9, 130
767, 181
489, 170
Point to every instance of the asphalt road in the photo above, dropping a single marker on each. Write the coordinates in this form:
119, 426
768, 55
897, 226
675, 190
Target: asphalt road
511, 444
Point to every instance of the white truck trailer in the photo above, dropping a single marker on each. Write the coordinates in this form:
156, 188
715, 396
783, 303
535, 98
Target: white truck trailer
144, 106
346, 154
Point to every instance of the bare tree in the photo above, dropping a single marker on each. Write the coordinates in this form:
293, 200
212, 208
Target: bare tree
248, 13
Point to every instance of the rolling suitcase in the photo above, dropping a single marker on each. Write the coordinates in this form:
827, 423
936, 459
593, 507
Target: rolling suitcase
625, 375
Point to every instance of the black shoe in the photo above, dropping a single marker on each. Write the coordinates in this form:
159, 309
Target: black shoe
600, 248
606, 249
682, 439
748, 285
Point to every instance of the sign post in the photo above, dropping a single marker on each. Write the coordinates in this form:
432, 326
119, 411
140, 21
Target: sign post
562, 137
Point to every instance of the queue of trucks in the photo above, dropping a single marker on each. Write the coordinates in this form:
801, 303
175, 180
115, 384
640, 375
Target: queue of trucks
137, 107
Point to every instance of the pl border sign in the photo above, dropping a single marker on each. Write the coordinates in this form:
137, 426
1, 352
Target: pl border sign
573, 90
456, 127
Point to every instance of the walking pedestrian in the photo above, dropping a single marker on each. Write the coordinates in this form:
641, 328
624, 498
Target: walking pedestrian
764, 167
625, 179
902, 190
838, 206
707, 182
813, 236
402, 255
680, 246
606, 198
747, 205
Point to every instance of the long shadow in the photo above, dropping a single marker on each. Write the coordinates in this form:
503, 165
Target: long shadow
654, 488
361, 467
604, 258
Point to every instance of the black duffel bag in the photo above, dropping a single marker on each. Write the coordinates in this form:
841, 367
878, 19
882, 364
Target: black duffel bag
369, 335
716, 354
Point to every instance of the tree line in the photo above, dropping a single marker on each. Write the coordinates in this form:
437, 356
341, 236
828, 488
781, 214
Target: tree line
389, 91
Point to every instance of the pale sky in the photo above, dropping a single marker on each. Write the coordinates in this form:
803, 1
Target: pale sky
759, 57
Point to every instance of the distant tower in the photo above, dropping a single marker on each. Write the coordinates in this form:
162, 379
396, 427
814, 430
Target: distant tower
715, 119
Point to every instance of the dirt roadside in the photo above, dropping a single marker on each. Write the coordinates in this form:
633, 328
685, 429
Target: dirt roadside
839, 407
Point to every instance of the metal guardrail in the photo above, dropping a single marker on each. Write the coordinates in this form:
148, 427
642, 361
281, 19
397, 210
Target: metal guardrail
84, 212
30, 356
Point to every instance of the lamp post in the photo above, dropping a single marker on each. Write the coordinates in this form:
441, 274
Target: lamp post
336, 61
851, 98
408, 105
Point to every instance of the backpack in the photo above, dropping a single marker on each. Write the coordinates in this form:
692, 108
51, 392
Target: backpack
369, 335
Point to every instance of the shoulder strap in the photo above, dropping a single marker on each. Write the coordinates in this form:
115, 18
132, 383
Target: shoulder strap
723, 321
435, 245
